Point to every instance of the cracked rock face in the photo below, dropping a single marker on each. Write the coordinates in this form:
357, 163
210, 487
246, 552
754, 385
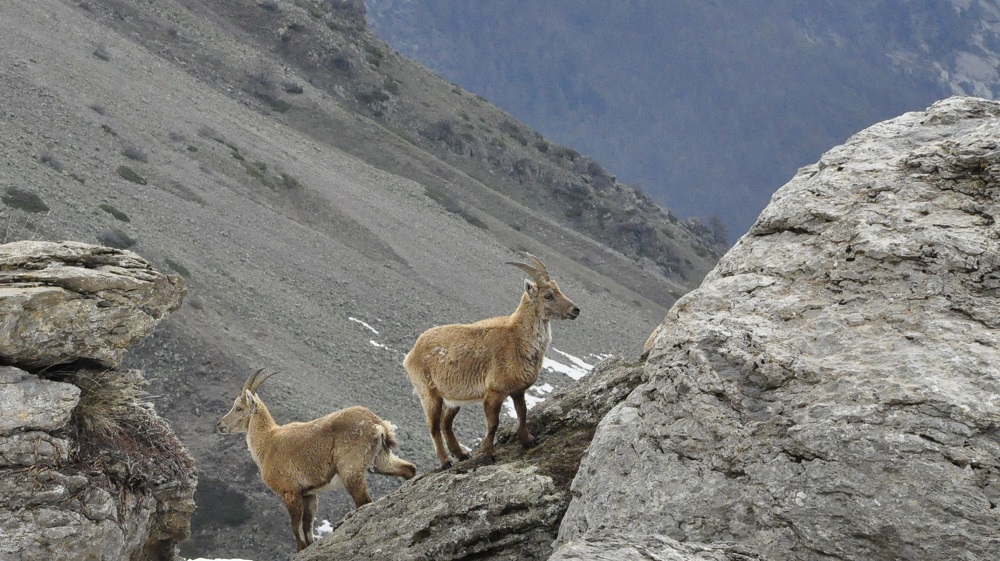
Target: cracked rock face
64, 301
832, 390
87, 468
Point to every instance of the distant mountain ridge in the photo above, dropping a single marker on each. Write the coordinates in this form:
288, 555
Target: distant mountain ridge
709, 106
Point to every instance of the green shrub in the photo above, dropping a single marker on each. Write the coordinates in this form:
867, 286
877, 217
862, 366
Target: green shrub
48, 159
130, 174
391, 85
278, 104
135, 153
289, 182
292, 87
257, 174
436, 194
116, 238
373, 96
178, 268
119, 215
474, 220
22, 199
101, 52
192, 148
208, 132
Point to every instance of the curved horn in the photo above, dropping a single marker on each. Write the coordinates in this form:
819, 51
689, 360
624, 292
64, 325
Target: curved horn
538, 264
261, 380
250, 381
534, 273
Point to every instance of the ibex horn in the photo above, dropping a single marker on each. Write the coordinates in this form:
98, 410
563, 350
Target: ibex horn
253, 382
537, 272
538, 264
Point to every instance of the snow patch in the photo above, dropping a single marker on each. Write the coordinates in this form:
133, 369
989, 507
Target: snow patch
356, 320
323, 530
576, 369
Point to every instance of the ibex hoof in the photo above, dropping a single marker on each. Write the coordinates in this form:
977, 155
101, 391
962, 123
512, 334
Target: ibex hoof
445, 465
486, 460
530, 443
463, 456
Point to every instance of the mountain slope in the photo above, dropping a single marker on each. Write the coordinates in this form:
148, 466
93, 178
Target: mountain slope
319, 233
709, 105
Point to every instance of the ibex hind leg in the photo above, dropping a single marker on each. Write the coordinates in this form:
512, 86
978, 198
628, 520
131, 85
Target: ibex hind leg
492, 404
447, 427
294, 504
310, 505
432, 409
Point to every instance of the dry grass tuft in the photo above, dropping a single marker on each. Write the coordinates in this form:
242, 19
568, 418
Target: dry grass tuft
120, 434
107, 400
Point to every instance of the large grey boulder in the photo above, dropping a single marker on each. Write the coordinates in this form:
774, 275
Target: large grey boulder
832, 390
64, 301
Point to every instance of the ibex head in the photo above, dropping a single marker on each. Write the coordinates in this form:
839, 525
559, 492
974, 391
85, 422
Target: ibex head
544, 290
246, 404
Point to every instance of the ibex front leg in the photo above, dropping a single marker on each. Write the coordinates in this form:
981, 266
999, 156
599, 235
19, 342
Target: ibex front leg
521, 408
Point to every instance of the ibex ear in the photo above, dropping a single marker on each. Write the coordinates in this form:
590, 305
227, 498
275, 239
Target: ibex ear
529, 287
250, 400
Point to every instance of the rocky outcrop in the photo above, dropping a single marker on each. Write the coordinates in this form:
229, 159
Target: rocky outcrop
87, 468
68, 301
831, 391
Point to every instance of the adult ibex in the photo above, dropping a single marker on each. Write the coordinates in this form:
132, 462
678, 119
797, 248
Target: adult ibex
299, 460
486, 361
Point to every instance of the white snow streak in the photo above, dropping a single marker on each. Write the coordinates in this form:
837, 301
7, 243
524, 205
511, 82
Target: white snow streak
364, 324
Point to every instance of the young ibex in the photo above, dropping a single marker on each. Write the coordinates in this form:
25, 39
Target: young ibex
486, 361
298, 460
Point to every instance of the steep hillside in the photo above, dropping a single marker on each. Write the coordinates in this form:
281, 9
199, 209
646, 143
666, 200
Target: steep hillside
709, 105
320, 229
